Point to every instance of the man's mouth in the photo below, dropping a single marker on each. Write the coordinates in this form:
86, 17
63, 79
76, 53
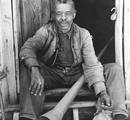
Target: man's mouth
64, 24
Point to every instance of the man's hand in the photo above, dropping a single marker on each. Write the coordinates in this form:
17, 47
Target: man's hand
105, 100
37, 82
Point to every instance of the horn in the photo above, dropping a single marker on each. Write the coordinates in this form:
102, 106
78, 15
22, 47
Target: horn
59, 110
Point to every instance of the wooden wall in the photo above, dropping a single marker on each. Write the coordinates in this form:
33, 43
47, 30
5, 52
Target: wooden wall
17, 23
8, 85
34, 13
127, 46
118, 32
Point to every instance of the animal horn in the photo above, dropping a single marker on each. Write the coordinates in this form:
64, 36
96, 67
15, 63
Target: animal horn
59, 110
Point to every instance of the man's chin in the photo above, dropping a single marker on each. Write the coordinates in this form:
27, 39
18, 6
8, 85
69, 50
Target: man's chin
64, 30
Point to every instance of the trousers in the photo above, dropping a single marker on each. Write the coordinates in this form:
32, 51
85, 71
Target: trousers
31, 106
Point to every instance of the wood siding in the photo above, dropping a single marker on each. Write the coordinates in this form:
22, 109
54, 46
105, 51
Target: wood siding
127, 46
17, 23
7, 50
34, 13
118, 32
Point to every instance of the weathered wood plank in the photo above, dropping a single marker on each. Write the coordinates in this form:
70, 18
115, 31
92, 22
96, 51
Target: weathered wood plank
17, 36
3, 81
75, 114
1, 53
3, 89
127, 45
16, 116
62, 91
30, 17
75, 104
8, 49
34, 13
118, 32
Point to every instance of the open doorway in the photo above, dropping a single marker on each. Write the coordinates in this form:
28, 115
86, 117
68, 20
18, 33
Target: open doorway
94, 15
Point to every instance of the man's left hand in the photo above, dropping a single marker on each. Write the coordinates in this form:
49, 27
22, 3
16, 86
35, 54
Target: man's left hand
105, 100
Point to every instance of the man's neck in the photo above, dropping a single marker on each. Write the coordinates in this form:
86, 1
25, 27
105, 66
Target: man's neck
67, 33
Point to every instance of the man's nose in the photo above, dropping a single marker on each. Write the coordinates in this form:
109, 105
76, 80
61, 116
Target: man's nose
63, 16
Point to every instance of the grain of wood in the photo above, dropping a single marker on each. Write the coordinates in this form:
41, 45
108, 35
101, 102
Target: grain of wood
17, 37
127, 46
8, 49
118, 32
75, 114
1, 53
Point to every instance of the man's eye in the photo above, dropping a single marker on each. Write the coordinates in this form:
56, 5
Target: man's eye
58, 13
68, 13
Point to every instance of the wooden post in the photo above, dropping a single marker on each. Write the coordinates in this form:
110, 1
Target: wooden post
127, 45
3, 82
118, 32
1, 60
75, 114
8, 59
17, 36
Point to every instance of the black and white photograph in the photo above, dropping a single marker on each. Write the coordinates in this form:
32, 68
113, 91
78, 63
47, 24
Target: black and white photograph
64, 60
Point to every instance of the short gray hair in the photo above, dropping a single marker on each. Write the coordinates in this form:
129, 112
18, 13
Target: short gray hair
63, 2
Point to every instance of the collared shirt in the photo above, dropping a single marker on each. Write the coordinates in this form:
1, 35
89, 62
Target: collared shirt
65, 55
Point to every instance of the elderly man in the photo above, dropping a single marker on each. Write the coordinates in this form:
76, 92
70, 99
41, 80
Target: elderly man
57, 55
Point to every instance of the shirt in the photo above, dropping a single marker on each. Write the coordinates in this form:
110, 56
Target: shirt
65, 55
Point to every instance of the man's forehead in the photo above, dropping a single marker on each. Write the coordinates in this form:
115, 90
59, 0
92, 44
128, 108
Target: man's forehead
63, 7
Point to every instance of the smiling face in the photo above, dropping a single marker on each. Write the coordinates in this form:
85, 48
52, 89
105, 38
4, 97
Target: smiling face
64, 15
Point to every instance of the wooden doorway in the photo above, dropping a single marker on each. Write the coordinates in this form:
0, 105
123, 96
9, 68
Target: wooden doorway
95, 16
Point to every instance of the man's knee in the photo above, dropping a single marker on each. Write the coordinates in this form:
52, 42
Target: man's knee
113, 67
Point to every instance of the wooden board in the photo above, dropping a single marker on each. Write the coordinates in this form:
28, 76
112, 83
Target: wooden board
118, 32
3, 81
33, 14
1, 60
17, 37
8, 50
127, 45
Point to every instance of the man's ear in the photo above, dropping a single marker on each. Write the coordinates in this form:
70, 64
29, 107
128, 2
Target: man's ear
74, 15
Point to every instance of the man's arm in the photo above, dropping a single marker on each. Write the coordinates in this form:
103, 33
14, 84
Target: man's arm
28, 52
28, 55
93, 70
37, 82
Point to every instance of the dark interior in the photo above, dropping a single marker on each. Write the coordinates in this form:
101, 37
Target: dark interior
94, 15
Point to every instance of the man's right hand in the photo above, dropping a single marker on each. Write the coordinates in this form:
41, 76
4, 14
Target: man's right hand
37, 82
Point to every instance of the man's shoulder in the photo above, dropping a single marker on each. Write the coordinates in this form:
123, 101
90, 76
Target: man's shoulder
45, 28
80, 29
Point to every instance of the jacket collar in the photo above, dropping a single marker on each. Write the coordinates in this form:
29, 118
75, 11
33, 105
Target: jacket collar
74, 28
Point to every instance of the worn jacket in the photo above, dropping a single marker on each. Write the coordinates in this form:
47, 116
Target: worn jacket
43, 44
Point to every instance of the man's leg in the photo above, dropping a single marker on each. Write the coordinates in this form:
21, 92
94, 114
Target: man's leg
31, 106
116, 87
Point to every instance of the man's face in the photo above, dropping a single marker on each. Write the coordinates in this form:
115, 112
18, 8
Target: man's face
64, 16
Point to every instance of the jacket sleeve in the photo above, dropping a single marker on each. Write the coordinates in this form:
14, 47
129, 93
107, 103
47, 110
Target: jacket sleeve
28, 52
93, 70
